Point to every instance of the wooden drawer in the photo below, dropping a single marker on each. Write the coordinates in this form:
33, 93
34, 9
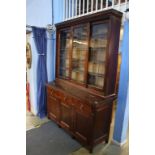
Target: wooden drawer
68, 100
82, 107
56, 93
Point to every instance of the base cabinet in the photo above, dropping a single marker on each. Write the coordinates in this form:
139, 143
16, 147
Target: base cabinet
89, 123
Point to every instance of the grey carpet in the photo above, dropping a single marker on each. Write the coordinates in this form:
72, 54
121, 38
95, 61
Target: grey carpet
49, 139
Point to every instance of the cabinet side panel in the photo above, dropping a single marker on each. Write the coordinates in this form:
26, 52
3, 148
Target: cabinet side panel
112, 55
102, 123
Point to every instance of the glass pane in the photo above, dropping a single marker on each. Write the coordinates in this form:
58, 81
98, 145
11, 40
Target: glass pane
95, 81
78, 53
97, 54
64, 53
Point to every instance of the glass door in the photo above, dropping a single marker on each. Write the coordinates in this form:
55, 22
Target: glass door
97, 54
80, 43
65, 37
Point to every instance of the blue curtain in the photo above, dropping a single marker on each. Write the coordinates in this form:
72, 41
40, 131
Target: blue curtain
40, 40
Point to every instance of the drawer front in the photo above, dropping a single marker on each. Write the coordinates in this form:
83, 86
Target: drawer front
69, 100
55, 93
82, 107
58, 94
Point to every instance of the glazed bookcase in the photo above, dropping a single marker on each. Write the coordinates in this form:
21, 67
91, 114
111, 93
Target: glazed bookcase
80, 99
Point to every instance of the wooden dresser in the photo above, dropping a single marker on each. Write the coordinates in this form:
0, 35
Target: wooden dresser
80, 100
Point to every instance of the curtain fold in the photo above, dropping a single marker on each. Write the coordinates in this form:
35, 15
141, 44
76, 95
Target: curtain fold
40, 40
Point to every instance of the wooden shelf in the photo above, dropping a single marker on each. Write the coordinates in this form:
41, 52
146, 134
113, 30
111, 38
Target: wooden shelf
77, 70
95, 86
97, 61
95, 74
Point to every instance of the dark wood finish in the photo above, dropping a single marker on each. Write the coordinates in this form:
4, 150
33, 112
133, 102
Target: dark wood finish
83, 114
82, 109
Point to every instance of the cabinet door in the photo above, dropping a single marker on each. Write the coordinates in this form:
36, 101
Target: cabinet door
64, 63
66, 115
82, 126
53, 108
97, 54
80, 47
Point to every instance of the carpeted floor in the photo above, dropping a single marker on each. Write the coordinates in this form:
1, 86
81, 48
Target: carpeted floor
49, 139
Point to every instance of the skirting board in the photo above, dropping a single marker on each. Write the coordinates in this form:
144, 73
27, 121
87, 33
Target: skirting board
117, 143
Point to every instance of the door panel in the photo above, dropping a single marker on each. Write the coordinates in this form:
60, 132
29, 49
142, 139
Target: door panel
82, 126
66, 115
53, 108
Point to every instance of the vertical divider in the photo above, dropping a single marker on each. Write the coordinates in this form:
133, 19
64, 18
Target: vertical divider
70, 52
64, 5
83, 6
92, 3
87, 5
106, 4
79, 7
101, 4
113, 3
96, 5
119, 3
87, 55
66, 9
73, 8
69, 8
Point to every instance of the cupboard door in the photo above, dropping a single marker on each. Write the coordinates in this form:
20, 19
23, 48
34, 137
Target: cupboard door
82, 126
80, 46
66, 115
97, 54
53, 108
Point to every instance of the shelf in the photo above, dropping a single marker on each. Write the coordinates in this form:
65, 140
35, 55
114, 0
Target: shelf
75, 59
77, 81
64, 56
64, 77
64, 68
98, 49
77, 70
75, 47
64, 38
96, 61
96, 74
64, 49
100, 36
95, 86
